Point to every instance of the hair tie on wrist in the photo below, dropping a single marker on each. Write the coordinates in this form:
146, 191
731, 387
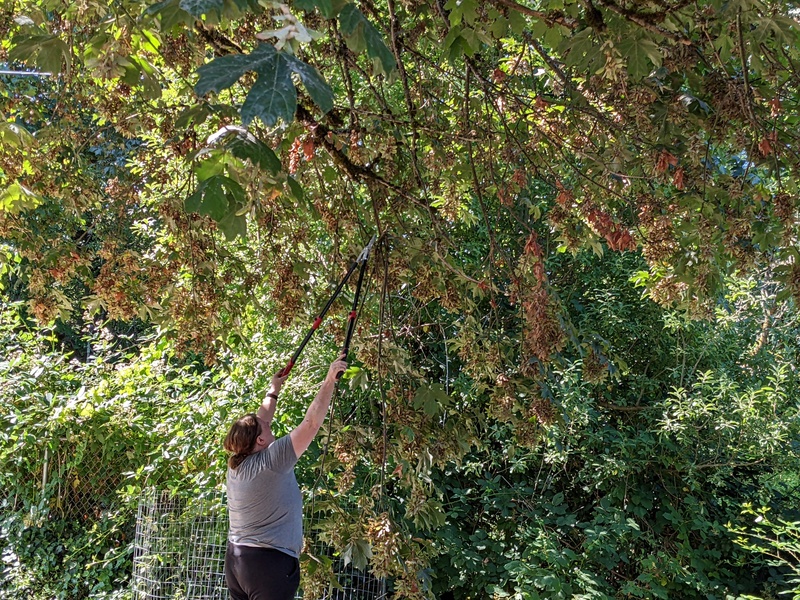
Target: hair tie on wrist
273, 396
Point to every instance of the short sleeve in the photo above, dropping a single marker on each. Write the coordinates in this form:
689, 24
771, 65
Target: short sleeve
281, 455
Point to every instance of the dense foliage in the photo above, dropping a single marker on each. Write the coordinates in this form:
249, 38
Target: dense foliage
188, 177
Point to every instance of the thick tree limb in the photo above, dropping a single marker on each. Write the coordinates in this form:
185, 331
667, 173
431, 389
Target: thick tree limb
324, 137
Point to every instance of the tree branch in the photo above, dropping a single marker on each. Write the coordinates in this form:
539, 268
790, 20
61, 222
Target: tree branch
551, 18
324, 137
635, 17
394, 28
729, 464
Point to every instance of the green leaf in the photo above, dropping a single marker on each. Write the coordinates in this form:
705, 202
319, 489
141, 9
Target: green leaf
295, 188
359, 552
581, 51
15, 136
192, 203
244, 145
222, 72
724, 45
194, 115
233, 226
211, 166
499, 28
46, 51
315, 84
273, 96
306, 5
143, 74
327, 8
171, 14
156, 8
16, 198
198, 8
221, 198
214, 201
360, 33
641, 56
473, 40
431, 399
517, 21
243, 6
462, 11
782, 28
455, 45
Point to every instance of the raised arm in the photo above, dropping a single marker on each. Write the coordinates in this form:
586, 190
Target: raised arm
267, 409
302, 435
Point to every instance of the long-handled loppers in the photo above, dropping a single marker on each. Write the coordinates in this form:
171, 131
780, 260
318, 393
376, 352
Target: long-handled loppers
362, 261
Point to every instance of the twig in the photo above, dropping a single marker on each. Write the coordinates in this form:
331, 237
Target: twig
393, 25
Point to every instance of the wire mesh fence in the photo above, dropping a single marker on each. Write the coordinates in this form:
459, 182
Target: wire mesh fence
179, 553
179, 548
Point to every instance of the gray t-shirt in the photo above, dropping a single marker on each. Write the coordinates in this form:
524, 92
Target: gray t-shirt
265, 506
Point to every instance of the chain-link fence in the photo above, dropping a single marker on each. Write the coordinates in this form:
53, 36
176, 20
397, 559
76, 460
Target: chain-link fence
70, 510
70, 477
179, 553
66, 529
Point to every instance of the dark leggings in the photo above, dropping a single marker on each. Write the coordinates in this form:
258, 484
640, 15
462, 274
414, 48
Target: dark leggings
260, 573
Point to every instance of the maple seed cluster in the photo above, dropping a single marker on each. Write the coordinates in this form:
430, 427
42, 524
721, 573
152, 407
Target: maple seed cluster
657, 223
543, 332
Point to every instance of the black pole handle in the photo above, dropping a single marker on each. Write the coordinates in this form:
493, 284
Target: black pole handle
351, 320
361, 260
317, 322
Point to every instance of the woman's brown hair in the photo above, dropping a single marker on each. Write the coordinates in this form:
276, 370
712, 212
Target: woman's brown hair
241, 439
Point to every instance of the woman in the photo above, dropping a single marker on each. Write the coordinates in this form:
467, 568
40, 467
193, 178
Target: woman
265, 506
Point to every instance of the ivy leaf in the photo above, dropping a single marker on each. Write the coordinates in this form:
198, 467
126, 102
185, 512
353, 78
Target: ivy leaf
273, 96
198, 8
641, 55
360, 34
